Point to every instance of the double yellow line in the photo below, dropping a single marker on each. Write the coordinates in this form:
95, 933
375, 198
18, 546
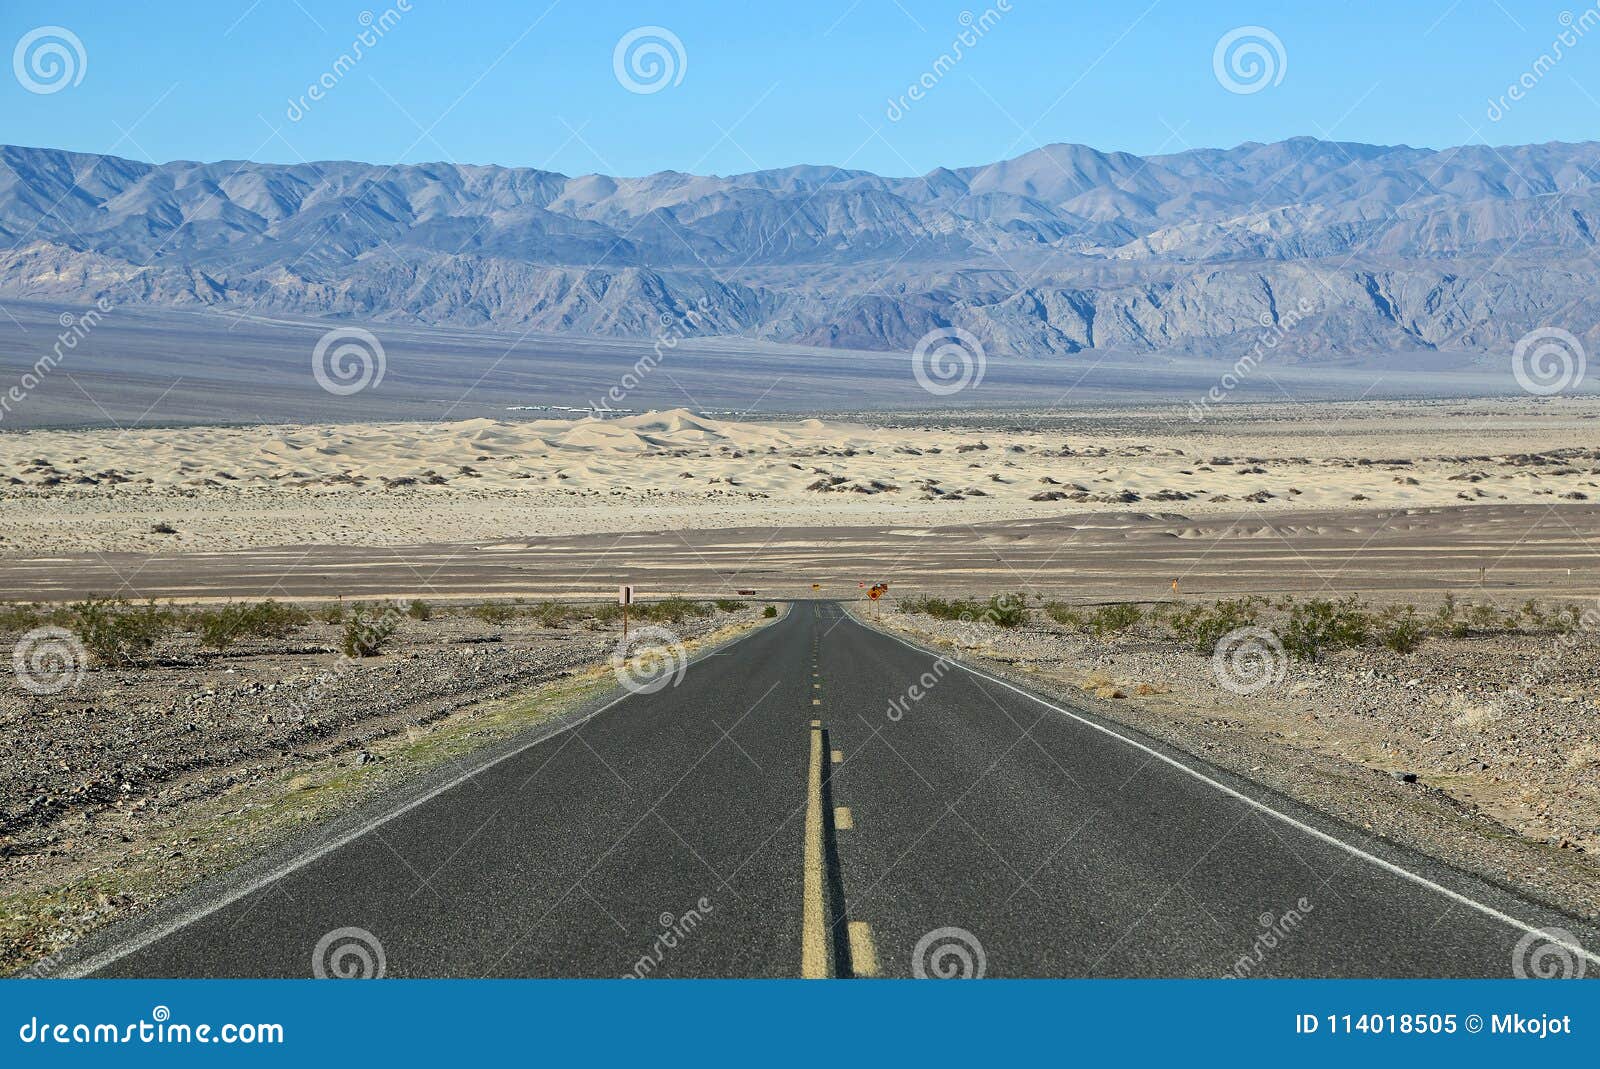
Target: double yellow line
816, 933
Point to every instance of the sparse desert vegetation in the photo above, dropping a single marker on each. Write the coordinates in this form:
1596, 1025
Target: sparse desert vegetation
1492, 705
186, 715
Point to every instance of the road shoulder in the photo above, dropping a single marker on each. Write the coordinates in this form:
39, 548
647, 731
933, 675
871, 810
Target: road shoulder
1412, 816
205, 856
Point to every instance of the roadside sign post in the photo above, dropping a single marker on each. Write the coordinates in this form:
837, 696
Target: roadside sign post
625, 598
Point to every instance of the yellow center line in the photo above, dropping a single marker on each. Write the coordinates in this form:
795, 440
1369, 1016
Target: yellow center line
863, 951
842, 818
838, 756
816, 958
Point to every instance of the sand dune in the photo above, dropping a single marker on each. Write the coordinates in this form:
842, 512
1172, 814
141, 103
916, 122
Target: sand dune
482, 479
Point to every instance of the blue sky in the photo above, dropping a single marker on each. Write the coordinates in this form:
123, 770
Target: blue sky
765, 85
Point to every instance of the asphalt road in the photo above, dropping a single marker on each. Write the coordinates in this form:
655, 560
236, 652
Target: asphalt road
709, 830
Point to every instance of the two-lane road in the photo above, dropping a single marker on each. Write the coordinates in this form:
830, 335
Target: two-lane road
709, 829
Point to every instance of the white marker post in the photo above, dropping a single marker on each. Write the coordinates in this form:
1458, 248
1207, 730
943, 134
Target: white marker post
625, 598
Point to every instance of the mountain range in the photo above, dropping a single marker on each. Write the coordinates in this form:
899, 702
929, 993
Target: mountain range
1336, 250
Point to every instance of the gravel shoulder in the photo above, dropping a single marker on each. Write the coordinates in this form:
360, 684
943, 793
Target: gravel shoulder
1428, 750
143, 783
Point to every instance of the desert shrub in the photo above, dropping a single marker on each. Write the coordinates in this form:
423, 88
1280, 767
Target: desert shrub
220, 628
673, 610
770, 611
728, 605
1001, 610
604, 613
272, 619
1568, 618
1483, 617
15, 616
1317, 626
216, 628
419, 610
550, 613
116, 633
331, 613
1533, 613
942, 608
1201, 627
1444, 617
495, 613
1005, 610
1114, 619
1064, 614
1399, 629
366, 631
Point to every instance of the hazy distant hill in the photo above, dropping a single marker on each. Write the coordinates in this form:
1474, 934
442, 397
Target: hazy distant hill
1064, 249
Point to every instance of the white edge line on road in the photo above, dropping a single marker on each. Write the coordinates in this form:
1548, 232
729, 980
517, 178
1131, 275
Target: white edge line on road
110, 957
1356, 851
